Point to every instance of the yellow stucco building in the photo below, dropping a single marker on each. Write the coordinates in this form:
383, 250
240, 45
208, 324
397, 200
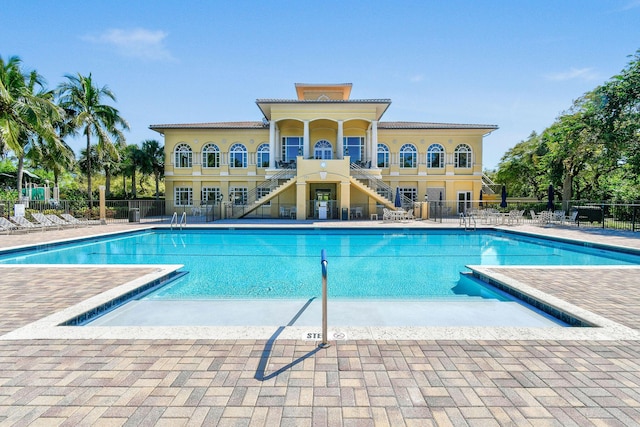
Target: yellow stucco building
321, 155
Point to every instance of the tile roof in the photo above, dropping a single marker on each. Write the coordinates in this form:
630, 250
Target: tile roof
429, 125
261, 125
213, 125
316, 101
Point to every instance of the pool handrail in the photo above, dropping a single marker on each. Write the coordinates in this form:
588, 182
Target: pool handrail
324, 262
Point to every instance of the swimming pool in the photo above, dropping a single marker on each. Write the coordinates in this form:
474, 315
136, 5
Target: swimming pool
285, 263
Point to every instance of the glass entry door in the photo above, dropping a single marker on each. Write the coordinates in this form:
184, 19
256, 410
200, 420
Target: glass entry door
464, 201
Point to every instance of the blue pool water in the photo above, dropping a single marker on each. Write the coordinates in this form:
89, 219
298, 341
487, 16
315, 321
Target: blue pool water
282, 263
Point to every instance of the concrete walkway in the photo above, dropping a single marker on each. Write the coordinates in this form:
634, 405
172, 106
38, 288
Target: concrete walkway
291, 383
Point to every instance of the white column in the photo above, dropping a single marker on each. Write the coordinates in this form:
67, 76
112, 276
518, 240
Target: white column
340, 141
278, 144
305, 148
272, 144
374, 144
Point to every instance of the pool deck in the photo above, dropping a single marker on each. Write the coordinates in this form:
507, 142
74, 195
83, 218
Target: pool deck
458, 381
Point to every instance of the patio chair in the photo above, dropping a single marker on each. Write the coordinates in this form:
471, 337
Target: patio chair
515, 217
408, 215
571, 219
386, 215
534, 216
545, 217
557, 216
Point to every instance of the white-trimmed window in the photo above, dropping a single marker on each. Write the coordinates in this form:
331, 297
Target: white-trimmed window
238, 195
263, 156
462, 156
183, 196
354, 148
292, 147
210, 194
210, 156
383, 156
323, 150
409, 192
260, 192
408, 156
182, 156
238, 156
435, 156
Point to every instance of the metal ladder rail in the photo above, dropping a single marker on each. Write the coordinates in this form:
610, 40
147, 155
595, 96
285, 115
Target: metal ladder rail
466, 220
183, 220
174, 219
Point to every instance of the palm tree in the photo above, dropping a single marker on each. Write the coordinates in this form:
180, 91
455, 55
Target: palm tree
133, 160
153, 161
83, 100
27, 111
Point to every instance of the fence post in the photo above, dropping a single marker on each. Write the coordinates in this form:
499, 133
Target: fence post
103, 205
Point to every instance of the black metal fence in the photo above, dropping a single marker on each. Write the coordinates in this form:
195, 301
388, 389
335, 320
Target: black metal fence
606, 215
618, 216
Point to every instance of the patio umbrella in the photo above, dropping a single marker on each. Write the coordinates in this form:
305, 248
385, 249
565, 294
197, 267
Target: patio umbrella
480, 204
550, 196
441, 198
503, 202
397, 203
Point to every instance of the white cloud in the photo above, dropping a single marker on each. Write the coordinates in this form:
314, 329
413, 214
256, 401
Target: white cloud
135, 43
416, 78
631, 5
586, 74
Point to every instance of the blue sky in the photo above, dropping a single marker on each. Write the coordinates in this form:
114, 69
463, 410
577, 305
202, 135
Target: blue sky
516, 64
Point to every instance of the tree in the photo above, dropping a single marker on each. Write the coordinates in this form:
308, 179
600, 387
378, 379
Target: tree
520, 168
618, 112
27, 111
133, 159
153, 161
84, 101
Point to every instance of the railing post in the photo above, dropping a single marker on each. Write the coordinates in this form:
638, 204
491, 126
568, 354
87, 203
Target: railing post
323, 261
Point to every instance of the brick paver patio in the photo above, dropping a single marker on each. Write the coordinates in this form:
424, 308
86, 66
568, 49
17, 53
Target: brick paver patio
291, 383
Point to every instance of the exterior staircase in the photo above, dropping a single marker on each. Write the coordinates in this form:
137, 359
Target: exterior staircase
374, 186
366, 182
259, 195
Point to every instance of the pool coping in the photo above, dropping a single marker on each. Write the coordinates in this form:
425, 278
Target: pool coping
49, 326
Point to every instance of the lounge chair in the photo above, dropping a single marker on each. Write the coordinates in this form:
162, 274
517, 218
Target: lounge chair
44, 221
61, 222
7, 226
73, 220
25, 223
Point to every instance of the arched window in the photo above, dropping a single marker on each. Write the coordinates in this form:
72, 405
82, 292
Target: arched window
263, 156
238, 156
182, 156
408, 155
211, 156
383, 156
462, 156
323, 150
435, 156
